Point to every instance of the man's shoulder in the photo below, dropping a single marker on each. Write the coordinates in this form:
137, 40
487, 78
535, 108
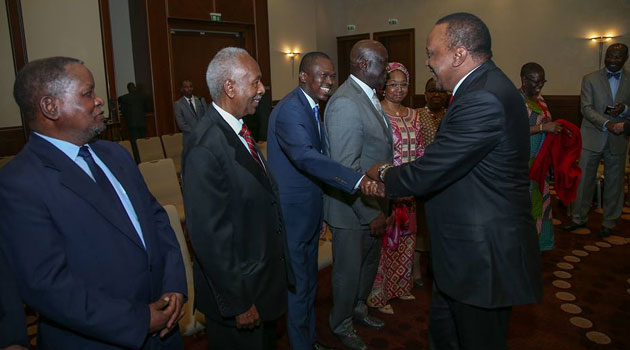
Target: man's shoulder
598, 74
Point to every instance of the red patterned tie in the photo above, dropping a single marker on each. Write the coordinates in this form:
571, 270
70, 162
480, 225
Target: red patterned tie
251, 145
450, 99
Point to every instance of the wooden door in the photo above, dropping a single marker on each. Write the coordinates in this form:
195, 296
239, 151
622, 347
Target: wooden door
400, 45
344, 45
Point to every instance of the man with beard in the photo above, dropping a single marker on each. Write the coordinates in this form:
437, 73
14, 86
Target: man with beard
91, 249
233, 214
359, 135
297, 155
604, 99
474, 177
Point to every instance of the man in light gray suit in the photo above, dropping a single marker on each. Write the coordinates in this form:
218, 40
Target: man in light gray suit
359, 135
605, 97
189, 108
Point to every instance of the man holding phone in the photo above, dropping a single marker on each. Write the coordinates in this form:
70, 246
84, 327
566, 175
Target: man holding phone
604, 100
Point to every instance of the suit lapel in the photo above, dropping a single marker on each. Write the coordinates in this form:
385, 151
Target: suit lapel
76, 180
605, 86
623, 85
308, 111
378, 114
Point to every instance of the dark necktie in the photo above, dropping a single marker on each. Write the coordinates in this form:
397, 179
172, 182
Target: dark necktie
615, 75
103, 182
190, 102
251, 145
316, 112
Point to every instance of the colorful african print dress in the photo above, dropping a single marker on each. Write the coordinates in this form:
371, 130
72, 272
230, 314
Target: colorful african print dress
538, 113
393, 277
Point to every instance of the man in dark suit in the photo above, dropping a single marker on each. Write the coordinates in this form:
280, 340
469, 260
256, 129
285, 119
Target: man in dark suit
134, 107
189, 108
474, 177
233, 214
297, 155
604, 100
359, 135
91, 249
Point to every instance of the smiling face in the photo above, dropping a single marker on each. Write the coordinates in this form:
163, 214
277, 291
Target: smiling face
616, 57
440, 57
80, 116
248, 87
396, 87
318, 79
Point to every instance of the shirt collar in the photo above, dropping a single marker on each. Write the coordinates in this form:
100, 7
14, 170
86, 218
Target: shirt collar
69, 149
462, 79
619, 71
309, 99
368, 90
233, 122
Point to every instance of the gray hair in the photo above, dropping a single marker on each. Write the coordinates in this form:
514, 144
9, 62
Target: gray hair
222, 68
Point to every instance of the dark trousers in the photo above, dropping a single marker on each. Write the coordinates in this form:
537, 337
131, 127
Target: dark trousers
457, 326
222, 337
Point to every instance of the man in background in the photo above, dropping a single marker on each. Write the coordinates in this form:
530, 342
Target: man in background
133, 107
189, 108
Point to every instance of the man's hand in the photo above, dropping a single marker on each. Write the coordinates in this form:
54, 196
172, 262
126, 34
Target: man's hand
178, 300
373, 172
248, 319
161, 312
552, 128
322, 231
371, 188
377, 226
619, 108
616, 128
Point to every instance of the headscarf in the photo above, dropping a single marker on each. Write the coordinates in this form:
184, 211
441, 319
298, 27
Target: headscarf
392, 66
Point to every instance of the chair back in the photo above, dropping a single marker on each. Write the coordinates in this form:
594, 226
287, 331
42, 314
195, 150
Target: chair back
162, 180
150, 148
173, 145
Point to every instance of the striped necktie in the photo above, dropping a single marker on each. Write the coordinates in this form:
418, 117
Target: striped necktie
251, 145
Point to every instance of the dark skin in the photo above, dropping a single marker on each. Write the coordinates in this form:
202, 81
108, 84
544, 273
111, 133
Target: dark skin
187, 88
531, 84
616, 57
435, 99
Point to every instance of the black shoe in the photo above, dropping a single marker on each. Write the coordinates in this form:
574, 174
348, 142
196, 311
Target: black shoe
351, 340
319, 346
572, 227
370, 322
604, 232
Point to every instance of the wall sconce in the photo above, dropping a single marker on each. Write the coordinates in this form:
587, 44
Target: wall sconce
292, 55
600, 40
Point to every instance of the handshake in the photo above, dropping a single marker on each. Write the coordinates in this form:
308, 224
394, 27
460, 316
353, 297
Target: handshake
372, 183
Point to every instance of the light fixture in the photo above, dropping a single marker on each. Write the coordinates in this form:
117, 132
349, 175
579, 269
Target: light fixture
292, 55
600, 40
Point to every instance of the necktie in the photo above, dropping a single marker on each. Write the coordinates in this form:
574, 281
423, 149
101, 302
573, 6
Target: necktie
316, 112
192, 106
251, 145
379, 108
450, 99
615, 75
103, 182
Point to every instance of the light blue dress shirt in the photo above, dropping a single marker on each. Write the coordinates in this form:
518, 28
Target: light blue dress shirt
72, 151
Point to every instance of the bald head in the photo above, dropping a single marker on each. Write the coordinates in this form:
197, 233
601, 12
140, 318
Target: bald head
368, 60
531, 68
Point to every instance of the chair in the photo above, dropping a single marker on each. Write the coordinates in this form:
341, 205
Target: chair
163, 183
192, 322
127, 145
150, 148
173, 145
5, 160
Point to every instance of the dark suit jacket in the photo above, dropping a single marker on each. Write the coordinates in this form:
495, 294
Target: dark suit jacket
235, 225
12, 320
133, 107
296, 154
76, 259
185, 117
475, 178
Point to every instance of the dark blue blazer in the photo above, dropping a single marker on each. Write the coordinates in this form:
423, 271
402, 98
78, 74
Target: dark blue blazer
297, 155
76, 259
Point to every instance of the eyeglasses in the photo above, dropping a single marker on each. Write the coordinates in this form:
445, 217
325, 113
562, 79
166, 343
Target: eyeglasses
397, 85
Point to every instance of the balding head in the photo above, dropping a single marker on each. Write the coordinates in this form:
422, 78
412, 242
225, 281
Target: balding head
368, 60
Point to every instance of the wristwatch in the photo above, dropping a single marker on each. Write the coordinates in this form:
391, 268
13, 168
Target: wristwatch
382, 170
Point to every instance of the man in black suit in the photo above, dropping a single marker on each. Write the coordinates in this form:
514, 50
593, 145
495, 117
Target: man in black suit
474, 177
134, 107
233, 214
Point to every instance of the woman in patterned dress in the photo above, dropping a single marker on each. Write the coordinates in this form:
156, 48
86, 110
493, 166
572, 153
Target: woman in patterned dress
532, 82
393, 278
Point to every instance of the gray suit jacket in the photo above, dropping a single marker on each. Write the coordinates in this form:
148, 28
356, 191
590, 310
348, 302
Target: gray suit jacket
594, 98
358, 137
184, 115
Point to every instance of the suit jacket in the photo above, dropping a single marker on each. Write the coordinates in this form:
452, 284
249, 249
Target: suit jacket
359, 136
185, 117
133, 107
77, 261
235, 225
594, 98
297, 155
474, 177
12, 319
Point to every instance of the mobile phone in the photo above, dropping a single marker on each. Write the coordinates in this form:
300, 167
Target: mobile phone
609, 109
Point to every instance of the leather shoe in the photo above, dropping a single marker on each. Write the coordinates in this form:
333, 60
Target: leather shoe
572, 227
352, 341
370, 322
604, 232
319, 346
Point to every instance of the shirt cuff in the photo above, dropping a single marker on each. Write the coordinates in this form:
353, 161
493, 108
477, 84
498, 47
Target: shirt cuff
359, 182
604, 126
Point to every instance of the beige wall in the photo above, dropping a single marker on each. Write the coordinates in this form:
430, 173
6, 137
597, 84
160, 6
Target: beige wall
550, 32
10, 115
66, 28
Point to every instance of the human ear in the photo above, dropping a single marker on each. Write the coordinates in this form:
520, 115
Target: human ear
460, 56
229, 88
49, 108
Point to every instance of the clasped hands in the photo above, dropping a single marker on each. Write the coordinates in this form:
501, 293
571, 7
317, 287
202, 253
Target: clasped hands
371, 184
615, 128
165, 313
